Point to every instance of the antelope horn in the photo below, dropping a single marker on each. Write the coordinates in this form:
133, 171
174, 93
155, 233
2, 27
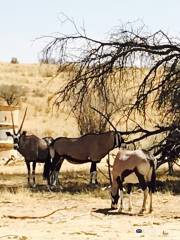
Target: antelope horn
12, 118
22, 121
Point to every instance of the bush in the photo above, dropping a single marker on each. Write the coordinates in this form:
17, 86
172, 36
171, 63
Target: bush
47, 61
38, 92
48, 70
12, 94
14, 60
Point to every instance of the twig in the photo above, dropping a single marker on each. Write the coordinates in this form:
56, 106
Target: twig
177, 164
35, 217
12, 158
107, 119
5, 202
81, 215
9, 235
102, 173
86, 233
170, 217
96, 216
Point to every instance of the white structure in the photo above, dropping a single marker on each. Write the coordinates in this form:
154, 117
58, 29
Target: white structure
6, 143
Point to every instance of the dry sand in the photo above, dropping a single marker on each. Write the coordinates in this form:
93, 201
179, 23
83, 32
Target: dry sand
82, 215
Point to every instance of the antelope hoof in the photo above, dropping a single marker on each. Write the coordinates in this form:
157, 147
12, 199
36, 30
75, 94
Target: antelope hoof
150, 210
54, 184
60, 187
130, 209
49, 188
52, 188
34, 185
141, 212
94, 185
113, 207
120, 210
56, 188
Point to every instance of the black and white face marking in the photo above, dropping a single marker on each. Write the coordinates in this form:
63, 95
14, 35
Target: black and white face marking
16, 138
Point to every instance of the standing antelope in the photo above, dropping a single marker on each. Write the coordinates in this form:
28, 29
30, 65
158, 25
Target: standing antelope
32, 148
133, 167
87, 148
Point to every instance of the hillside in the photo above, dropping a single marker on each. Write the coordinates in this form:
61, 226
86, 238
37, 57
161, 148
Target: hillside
41, 118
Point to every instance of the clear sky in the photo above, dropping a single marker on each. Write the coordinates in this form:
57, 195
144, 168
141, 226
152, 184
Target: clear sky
22, 21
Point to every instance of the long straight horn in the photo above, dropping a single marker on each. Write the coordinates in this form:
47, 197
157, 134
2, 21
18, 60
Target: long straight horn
22, 121
12, 118
105, 118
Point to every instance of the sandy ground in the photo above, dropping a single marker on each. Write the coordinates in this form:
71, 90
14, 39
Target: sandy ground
84, 217
81, 215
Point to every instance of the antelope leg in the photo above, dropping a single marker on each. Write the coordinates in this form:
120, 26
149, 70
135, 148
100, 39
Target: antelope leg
29, 171
33, 174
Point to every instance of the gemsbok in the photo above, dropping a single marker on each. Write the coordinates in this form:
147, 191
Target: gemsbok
32, 148
131, 167
87, 148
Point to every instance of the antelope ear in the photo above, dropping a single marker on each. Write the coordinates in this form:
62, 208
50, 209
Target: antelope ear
24, 133
8, 134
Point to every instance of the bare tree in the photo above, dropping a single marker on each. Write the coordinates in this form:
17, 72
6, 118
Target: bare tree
100, 64
88, 120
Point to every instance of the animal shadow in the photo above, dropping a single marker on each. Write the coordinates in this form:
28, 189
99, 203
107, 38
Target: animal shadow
110, 211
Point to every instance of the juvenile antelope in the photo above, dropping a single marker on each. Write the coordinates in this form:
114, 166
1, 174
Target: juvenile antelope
133, 167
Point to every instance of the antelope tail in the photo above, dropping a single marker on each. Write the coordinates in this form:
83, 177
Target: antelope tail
153, 177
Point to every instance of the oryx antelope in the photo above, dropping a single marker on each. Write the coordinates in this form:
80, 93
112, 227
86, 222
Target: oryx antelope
32, 148
133, 167
87, 148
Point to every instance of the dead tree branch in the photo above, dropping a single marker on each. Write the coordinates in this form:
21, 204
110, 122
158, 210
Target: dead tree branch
110, 65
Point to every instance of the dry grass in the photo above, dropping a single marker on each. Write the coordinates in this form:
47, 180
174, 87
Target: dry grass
38, 79
74, 182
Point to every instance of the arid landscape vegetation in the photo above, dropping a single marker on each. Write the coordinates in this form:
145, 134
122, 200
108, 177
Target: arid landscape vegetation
37, 82
78, 211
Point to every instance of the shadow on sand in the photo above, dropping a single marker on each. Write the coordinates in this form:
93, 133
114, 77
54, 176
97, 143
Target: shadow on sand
77, 182
109, 211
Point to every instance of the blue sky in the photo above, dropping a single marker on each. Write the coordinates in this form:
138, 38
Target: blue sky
22, 21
